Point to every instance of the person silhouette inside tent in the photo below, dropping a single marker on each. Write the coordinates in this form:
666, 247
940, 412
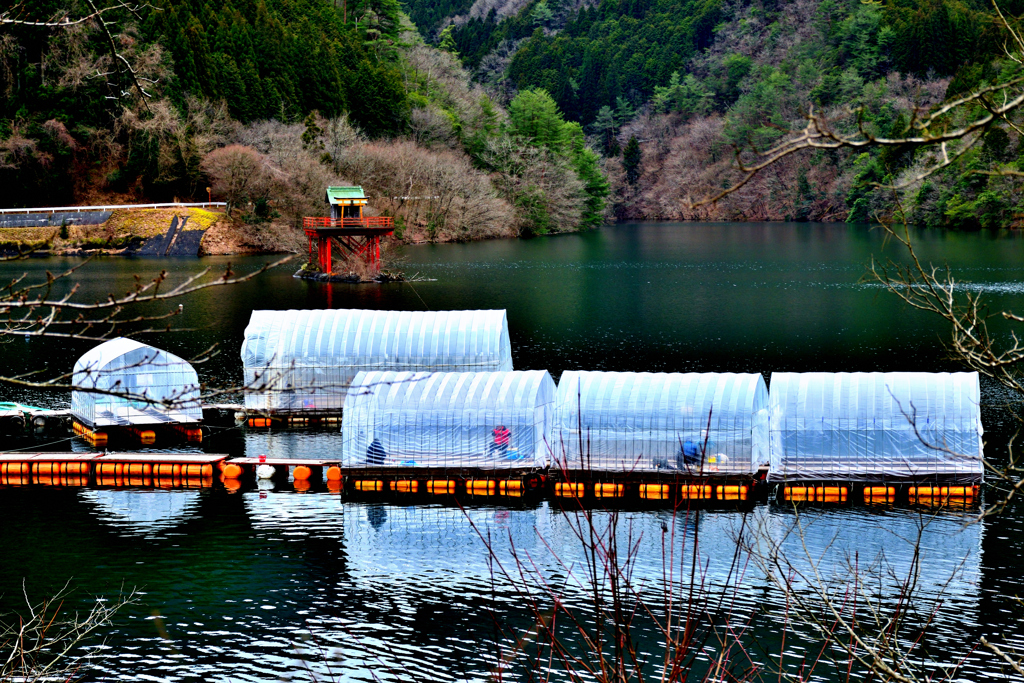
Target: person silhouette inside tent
375, 453
689, 455
502, 437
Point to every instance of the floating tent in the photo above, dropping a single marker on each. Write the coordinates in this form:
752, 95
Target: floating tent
642, 421
861, 426
491, 420
157, 387
299, 361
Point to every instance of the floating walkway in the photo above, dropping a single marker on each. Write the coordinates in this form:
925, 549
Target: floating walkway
426, 484
110, 469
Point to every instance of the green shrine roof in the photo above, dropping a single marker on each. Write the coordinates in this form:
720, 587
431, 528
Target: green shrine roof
338, 195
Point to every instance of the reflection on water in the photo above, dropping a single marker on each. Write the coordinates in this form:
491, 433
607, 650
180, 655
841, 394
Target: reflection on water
142, 511
260, 584
287, 580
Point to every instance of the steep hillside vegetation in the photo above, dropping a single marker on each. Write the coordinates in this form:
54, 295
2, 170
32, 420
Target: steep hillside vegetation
693, 81
265, 103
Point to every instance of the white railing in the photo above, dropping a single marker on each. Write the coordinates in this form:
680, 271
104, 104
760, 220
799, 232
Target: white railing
112, 207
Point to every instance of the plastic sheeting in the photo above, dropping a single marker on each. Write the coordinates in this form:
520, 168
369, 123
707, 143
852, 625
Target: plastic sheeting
861, 426
626, 422
448, 419
167, 387
304, 360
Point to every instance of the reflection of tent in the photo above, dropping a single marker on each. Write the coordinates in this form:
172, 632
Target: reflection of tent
304, 360
950, 551
125, 366
142, 511
449, 419
643, 421
857, 426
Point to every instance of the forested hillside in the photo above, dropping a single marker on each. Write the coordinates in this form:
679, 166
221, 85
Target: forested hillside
522, 118
692, 80
266, 102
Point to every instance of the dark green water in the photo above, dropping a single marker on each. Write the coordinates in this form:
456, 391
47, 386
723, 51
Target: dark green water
261, 584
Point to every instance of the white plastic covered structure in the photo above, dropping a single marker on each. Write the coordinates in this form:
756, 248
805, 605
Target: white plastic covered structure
298, 361
875, 426
490, 420
710, 423
124, 382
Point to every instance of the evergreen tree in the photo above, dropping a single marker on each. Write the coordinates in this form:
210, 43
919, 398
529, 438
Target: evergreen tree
631, 158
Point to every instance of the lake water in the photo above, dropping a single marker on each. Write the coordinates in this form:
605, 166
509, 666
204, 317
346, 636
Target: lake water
277, 584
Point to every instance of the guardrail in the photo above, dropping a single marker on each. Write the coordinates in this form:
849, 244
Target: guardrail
112, 207
367, 222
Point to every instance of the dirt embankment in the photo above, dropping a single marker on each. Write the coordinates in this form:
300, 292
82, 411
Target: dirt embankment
128, 231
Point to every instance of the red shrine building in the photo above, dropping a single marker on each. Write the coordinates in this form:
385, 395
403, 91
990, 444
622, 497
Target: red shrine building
348, 229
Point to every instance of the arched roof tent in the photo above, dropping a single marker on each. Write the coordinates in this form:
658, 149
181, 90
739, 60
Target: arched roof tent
448, 419
125, 366
299, 361
641, 421
861, 426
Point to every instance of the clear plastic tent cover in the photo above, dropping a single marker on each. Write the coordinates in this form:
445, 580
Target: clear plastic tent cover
304, 360
125, 366
861, 426
625, 422
448, 419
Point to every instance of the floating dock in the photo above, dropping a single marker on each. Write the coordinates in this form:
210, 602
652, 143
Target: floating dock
416, 484
170, 470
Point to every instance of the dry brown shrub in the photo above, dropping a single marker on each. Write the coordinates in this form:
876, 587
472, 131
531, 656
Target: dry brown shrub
239, 174
437, 192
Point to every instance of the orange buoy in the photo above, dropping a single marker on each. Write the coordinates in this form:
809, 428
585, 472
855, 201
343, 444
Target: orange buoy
568, 489
259, 421
404, 486
879, 494
511, 487
108, 469
15, 468
167, 470
77, 468
731, 492
831, 494
654, 491
136, 469
232, 471
607, 490
301, 473
798, 493
695, 492
480, 487
50, 468
197, 470
441, 487
333, 473
368, 485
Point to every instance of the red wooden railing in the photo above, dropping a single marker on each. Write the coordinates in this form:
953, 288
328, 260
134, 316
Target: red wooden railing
367, 222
